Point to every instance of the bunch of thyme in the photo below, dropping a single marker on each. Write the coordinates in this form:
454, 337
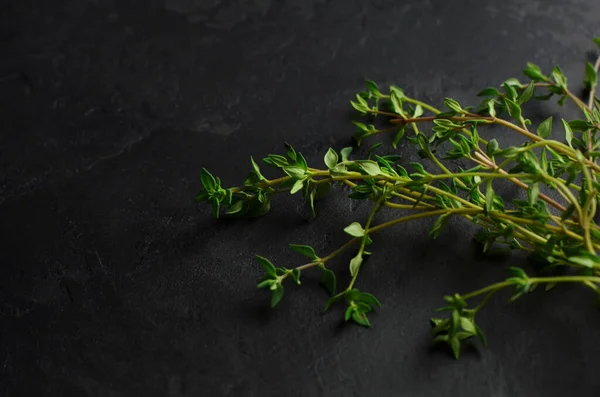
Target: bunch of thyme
561, 230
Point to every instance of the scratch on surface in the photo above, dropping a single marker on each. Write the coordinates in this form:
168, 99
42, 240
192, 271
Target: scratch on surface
119, 152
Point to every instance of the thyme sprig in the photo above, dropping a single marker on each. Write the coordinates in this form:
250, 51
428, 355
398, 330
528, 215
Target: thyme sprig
561, 231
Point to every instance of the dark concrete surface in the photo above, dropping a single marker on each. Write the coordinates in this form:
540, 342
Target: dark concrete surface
114, 283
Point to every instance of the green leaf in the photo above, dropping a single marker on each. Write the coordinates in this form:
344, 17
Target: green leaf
491, 107
559, 77
355, 264
396, 96
568, 132
597, 41
367, 298
331, 158
584, 261
468, 325
455, 345
348, 314
277, 295
329, 281
580, 125
489, 196
453, 105
373, 88
267, 265
256, 169
533, 192
345, 152
291, 152
294, 171
512, 82
513, 108
208, 181
591, 76
370, 167
235, 208
534, 72
545, 128
439, 224
490, 91
527, 93
361, 319
362, 109
398, 135
297, 186
492, 147
355, 229
305, 250
373, 148
480, 335
418, 111
296, 275
265, 283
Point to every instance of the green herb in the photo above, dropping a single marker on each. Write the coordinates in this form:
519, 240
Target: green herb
559, 157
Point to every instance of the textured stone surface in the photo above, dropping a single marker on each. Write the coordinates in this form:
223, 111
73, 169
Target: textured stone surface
116, 284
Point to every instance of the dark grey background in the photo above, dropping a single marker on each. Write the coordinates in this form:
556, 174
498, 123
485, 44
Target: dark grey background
114, 283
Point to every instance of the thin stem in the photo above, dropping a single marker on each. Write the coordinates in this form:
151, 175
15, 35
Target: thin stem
363, 242
593, 88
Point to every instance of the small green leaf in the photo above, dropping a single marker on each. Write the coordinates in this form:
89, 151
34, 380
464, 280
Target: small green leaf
373, 89
439, 224
256, 169
329, 281
584, 261
418, 111
297, 186
235, 208
305, 250
360, 108
534, 72
265, 283
491, 107
490, 91
492, 147
277, 295
545, 128
348, 314
355, 264
453, 105
291, 152
468, 325
568, 132
591, 76
512, 82
455, 345
513, 108
398, 135
355, 229
331, 158
345, 152
294, 171
559, 77
267, 265
367, 298
396, 101
208, 181
533, 192
480, 335
527, 93
296, 275
489, 196
597, 41
370, 167
361, 319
